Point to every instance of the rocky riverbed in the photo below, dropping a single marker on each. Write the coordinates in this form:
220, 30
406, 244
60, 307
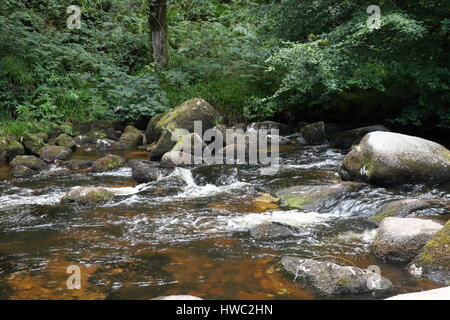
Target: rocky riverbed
139, 229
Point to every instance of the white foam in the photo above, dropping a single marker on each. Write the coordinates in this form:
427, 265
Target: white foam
293, 218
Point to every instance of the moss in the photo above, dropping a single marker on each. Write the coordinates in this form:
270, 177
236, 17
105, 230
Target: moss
389, 211
437, 251
296, 201
9, 149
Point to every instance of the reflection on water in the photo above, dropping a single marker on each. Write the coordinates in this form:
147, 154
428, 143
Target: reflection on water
186, 233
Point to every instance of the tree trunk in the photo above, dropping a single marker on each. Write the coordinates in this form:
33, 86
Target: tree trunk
158, 27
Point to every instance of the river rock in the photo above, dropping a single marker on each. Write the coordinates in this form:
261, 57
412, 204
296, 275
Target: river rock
269, 125
349, 138
55, 153
387, 158
22, 172
400, 239
314, 133
152, 134
64, 140
88, 196
107, 163
98, 129
144, 172
189, 142
405, 207
165, 143
109, 145
313, 198
131, 137
33, 144
31, 162
9, 149
272, 230
78, 164
175, 158
434, 258
335, 279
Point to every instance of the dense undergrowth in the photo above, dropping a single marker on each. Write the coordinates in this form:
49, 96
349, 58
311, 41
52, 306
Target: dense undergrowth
250, 59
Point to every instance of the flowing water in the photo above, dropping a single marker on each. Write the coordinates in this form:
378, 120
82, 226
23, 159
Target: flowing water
186, 233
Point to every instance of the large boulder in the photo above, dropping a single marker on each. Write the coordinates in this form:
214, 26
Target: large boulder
386, 158
87, 196
349, 138
152, 134
131, 137
165, 143
54, 153
31, 162
34, 144
63, 140
183, 116
9, 149
434, 258
144, 172
107, 163
401, 239
313, 198
314, 133
335, 279
406, 207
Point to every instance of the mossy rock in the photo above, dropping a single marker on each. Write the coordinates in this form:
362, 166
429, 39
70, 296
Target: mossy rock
110, 162
434, 258
189, 143
131, 137
349, 138
22, 172
55, 153
401, 239
387, 158
42, 135
31, 162
314, 198
406, 207
314, 133
63, 140
78, 164
9, 149
34, 144
88, 196
165, 143
187, 113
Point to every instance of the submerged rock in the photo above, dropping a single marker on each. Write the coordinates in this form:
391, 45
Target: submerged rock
22, 172
110, 162
401, 239
272, 230
78, 164
55, 153
88, 196
314, 133
405, 207
434, 258
386, 158
34, 144
314, 198
144, 172
9, 149
31, 162
335, 279
64, 140
349, 138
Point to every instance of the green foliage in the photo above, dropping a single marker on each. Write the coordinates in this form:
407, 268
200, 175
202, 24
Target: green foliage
400, 70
